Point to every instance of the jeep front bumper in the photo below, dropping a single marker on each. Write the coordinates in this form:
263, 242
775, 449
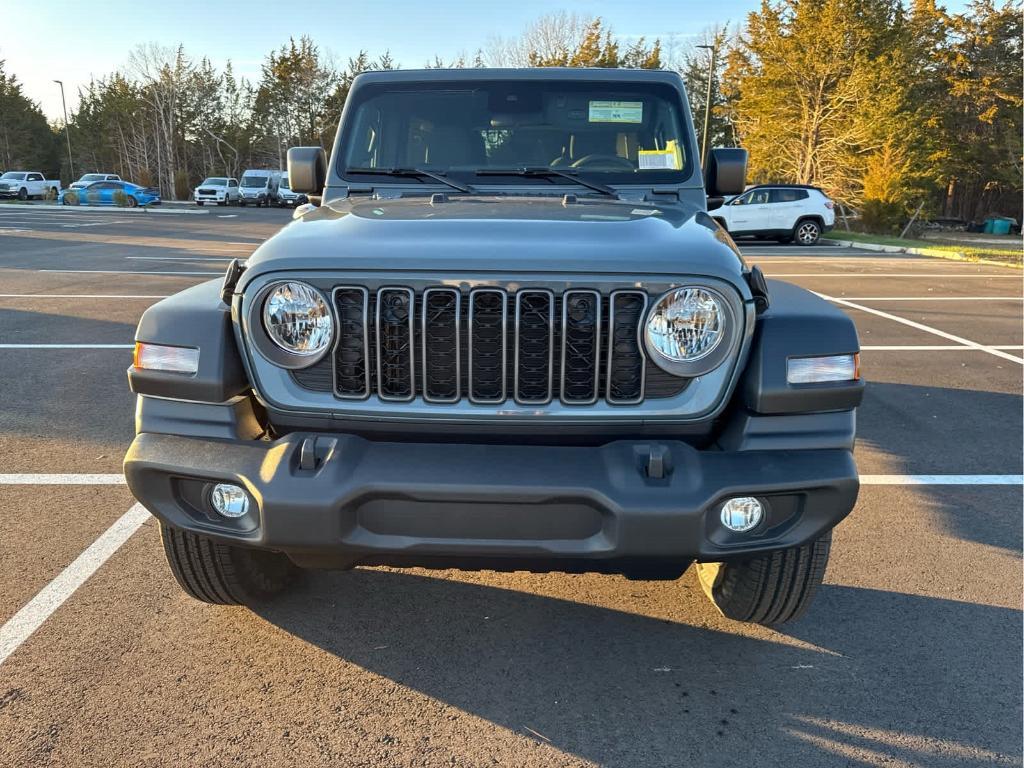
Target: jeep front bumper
340, 500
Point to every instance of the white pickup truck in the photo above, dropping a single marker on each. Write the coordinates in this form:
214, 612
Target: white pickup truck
26, 184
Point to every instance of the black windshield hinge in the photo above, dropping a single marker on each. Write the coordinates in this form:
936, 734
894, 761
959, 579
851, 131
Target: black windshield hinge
234, 271
758, 288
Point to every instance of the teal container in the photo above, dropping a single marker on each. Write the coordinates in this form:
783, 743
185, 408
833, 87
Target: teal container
997, 226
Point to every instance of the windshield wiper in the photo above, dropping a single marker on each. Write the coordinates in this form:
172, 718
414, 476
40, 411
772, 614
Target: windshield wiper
546, 172
410, 173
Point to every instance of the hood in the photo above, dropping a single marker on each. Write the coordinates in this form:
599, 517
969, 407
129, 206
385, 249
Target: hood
538, 234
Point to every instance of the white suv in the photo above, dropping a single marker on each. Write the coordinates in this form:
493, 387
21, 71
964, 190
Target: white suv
782, 211
217, 189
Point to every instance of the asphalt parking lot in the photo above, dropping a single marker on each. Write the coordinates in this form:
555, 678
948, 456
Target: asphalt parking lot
911, 655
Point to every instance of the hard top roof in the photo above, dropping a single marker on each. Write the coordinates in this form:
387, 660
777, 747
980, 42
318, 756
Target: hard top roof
554, 74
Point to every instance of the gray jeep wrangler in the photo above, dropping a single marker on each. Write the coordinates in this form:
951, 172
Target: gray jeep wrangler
508, 336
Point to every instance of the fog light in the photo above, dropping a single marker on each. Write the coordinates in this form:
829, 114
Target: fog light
230, 500
742, 513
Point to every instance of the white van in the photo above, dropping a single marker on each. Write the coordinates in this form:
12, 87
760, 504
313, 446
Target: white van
259, 187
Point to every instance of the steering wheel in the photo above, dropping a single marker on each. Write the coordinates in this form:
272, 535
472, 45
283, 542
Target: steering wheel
607, 160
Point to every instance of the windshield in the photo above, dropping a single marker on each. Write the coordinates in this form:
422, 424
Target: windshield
93, 177
626, 133
254, 181
13, 175
215, 182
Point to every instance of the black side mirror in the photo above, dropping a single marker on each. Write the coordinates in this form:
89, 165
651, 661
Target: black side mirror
726, 173
307, 169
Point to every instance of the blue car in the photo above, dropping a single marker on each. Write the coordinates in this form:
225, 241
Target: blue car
105, 193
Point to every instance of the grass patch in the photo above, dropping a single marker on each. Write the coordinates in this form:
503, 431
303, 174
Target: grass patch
954, 248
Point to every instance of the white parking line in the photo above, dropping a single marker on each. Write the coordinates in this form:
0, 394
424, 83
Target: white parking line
923, 327
114, 479
125, 272
94, 224
934, 298
67, 346
62, 479
918, 275
934, 348
21, 625
942, 479
180, 258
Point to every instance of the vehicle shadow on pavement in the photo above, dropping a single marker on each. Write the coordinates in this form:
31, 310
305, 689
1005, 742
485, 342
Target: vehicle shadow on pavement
620, 688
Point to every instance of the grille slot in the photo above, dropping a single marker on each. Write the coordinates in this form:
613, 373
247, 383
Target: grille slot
352, 355
581, 346
626, 361
395, 358
535, 345
440, 330
488, 328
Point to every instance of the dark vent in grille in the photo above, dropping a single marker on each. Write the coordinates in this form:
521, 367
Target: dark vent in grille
535, 339
581, 345
626, 363
488, 321
395, 311
352, 355
441, 323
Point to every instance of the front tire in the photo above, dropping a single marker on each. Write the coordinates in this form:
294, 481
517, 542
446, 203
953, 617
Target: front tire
23, 194
221, 574
770, 589
807, 232
199, 203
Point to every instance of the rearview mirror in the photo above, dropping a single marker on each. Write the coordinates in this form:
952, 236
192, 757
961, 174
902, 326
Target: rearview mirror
307, 169
726, 173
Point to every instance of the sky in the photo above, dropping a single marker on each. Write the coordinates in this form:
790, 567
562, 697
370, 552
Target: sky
72, 41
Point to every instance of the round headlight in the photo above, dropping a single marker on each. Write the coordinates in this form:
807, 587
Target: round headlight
297, 319
686, 324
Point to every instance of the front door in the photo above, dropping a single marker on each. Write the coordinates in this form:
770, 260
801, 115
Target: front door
751, 212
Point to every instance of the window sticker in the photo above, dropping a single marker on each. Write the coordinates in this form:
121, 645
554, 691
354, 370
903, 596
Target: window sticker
616, 112
668, 159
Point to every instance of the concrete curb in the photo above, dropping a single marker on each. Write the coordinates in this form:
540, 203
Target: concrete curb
933, 252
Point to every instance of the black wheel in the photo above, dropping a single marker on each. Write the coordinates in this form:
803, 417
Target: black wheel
807, 232
242, 203
221, 202
221, 574
131, 202
199, 203
23, 194
771, 589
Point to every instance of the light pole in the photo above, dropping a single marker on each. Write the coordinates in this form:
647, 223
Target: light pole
707, 104
67, 128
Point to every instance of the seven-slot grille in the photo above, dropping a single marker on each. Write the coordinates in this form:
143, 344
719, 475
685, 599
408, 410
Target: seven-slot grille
489, 345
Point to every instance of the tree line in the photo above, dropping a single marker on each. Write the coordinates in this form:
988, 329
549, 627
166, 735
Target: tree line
887, 105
